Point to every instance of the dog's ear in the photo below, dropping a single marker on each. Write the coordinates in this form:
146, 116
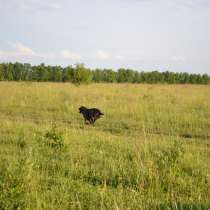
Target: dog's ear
100, 113
82, 108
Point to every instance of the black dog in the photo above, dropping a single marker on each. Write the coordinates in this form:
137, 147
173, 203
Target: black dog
90, 115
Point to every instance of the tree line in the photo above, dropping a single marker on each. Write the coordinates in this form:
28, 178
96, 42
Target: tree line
80, 74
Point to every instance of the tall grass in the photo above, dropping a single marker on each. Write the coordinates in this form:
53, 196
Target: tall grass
151, 150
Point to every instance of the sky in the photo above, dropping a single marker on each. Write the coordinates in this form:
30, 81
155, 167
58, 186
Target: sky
144, 35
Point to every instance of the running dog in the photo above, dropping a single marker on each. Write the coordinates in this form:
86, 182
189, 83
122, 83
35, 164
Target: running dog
90, 115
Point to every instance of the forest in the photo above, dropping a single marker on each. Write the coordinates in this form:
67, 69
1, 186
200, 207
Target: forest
80, 74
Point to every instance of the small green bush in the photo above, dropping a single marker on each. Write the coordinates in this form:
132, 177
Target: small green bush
53, 138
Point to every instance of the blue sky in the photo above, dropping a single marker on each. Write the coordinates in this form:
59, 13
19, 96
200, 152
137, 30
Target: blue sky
139, 34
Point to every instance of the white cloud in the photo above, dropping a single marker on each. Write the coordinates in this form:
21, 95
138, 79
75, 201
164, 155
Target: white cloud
103, 55
19, 50
70, 55
23, 50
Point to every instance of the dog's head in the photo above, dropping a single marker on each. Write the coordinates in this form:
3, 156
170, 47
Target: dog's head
82, 109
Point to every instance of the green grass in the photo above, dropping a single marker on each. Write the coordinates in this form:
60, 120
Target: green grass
151, 150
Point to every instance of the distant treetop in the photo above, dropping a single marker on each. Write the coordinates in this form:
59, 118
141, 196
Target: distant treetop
79, 74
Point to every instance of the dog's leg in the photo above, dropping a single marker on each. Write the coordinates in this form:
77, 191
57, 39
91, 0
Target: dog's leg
92, 120
87, 122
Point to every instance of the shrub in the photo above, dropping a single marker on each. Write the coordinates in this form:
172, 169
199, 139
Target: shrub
53, 138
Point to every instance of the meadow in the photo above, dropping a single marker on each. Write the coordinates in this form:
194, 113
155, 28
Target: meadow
150, 150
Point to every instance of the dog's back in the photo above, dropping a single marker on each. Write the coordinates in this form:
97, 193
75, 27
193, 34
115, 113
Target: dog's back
96, 112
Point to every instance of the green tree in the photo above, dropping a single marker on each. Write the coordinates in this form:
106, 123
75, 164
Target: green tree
81, 74
7, 71
205, 79
17, 71
97, 75
67, 74
40, 73
55, 73
1, 72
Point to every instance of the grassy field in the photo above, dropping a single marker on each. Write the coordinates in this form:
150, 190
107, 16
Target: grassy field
151, 150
